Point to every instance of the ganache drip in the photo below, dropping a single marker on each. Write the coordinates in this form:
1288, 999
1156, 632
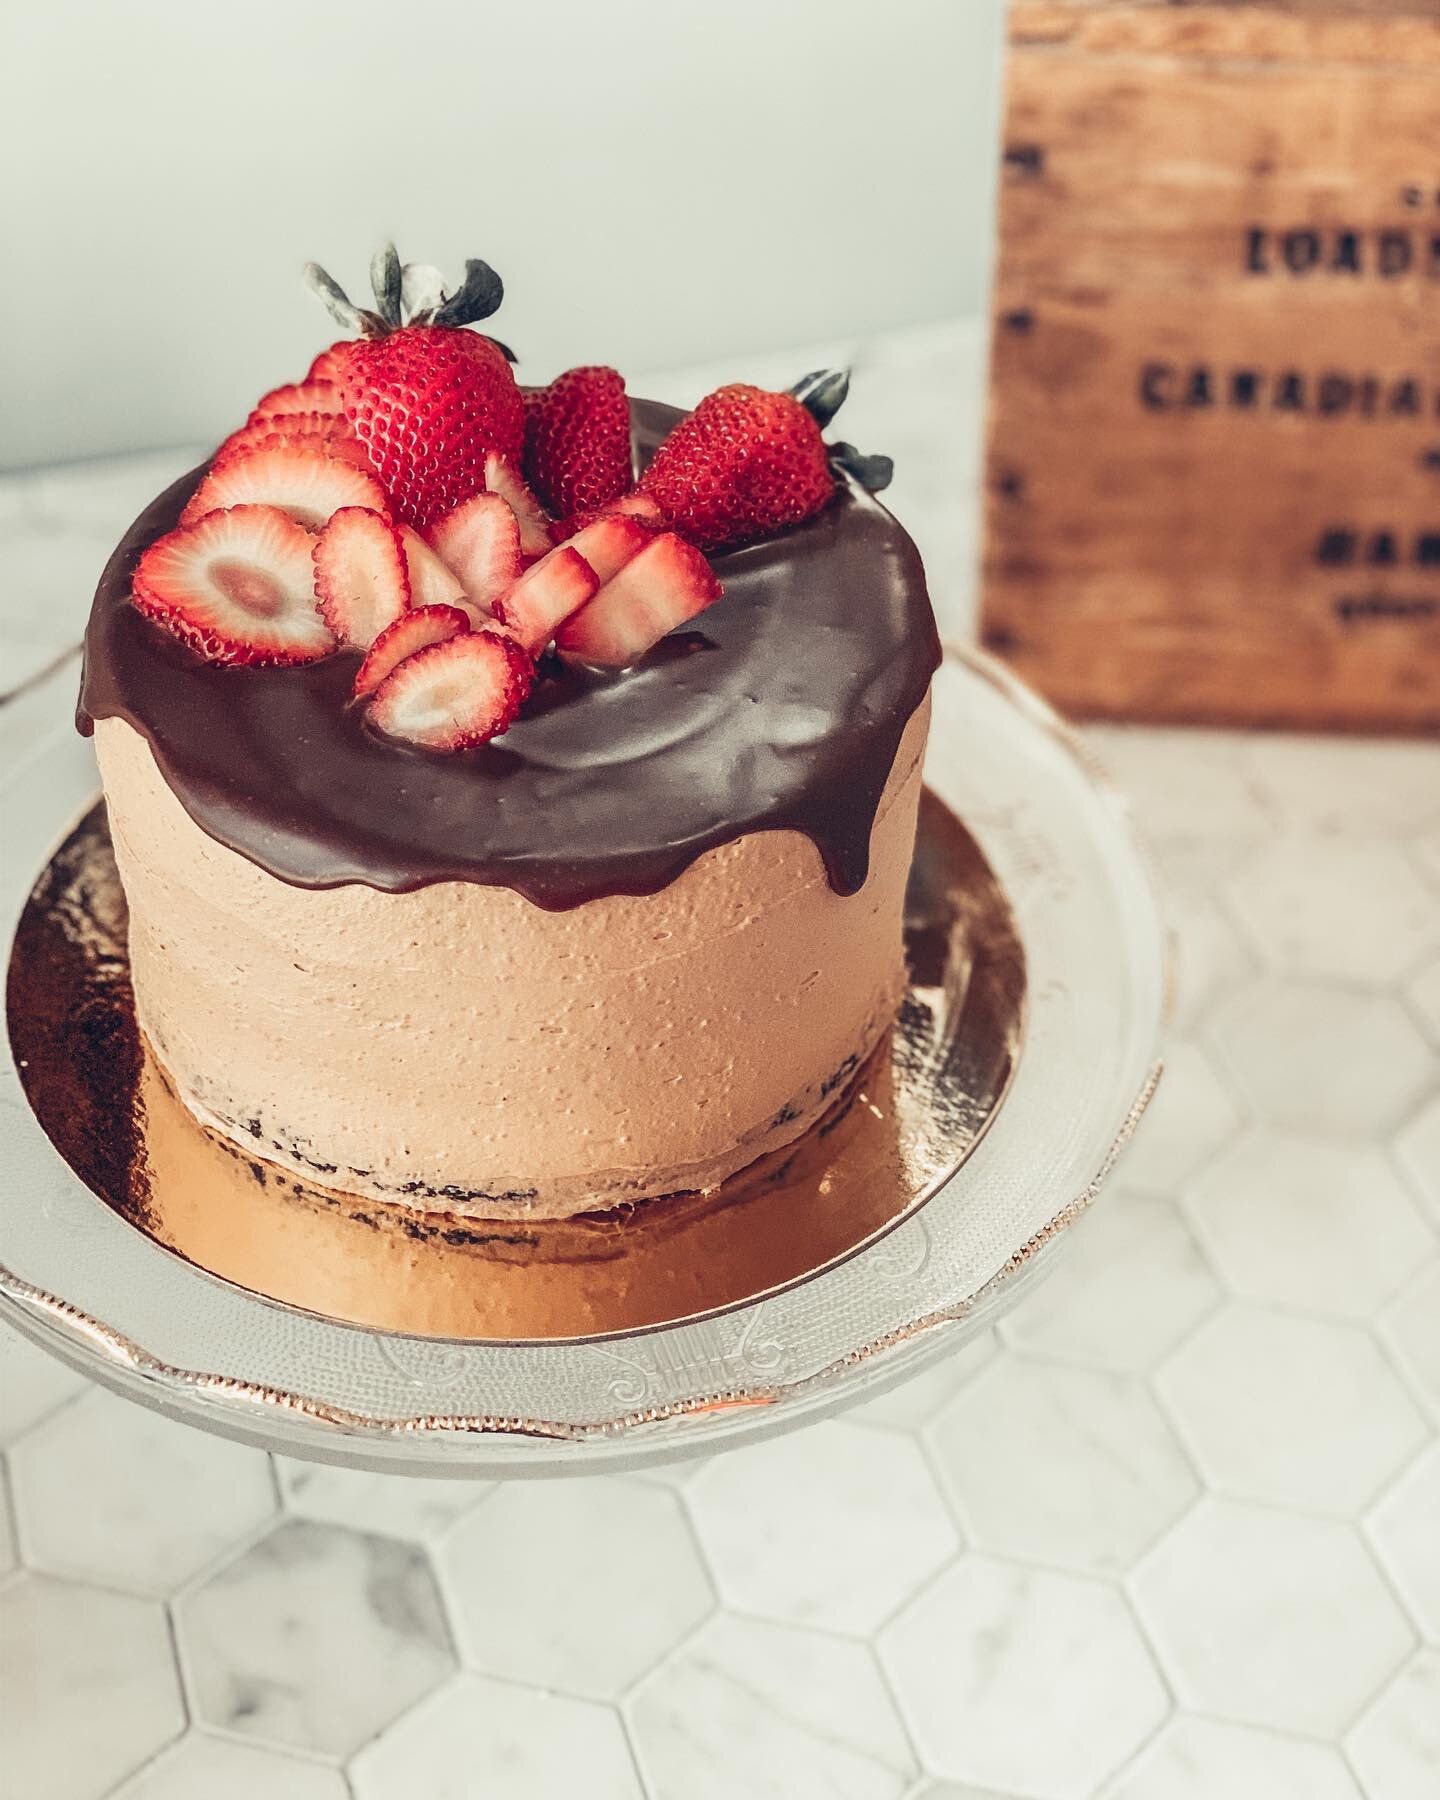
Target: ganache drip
783, 711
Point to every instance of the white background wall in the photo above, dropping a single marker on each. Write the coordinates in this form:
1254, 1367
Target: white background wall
658, 181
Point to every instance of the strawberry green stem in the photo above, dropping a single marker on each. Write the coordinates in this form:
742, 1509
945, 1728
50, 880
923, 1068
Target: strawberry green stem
385, 282
476, 298
822, 393
872, 472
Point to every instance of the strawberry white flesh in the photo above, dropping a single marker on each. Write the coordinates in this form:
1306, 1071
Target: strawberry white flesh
308, 487
545, 596
608, 543
480, 541
412, 632
629, 506
432, 582
454, 695
666, 584
299, 396
361, 581
503, 478
237, 587
638, 506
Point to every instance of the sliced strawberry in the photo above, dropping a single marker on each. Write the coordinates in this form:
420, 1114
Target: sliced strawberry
361, 582
326, 434
668, 582
237, 587
299, 396
636, 506
503, 478
545, 596
413, 631
480, 541
307, 486
433, 582
608, 543
457, 694
639, 506
329, 365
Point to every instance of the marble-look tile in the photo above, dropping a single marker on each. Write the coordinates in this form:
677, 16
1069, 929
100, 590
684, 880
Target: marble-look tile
111, 1491
1202, 1759
1411, 1326
17, 498
1061, 1465
1022, 1680
1335, 909
1424, 847
1296, 1411
579, 1585
9, 1557
833, 1526
46, 579
1423, 994
907, 1407
1396, 1746
32, 720
107, 492
1418, 1148
1210, 958
675, 1475
481, 1739
1331, 1060
1405, 1530
1191, 1117
201, 1767
1198, 802
32, 1384
88, 1688
1131, 1285
768, 1712
402, 1506
1320, 1225
953, 1790
316, 1638
1347, 786
1269, 1618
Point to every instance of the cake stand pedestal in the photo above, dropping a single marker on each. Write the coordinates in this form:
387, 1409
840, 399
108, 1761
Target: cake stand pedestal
110, 1295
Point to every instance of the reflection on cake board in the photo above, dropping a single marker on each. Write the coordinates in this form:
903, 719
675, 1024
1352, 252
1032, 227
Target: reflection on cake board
801, 1287
897, 1131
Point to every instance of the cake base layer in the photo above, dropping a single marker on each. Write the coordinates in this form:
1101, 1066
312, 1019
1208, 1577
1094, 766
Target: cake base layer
458, 1047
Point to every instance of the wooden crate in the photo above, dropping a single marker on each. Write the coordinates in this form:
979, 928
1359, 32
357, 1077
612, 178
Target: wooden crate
1214, 453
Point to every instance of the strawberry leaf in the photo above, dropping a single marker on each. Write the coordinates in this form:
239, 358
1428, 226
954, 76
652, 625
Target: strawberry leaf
479, 295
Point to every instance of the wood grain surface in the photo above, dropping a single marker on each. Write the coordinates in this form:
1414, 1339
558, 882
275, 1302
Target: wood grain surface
1214, 469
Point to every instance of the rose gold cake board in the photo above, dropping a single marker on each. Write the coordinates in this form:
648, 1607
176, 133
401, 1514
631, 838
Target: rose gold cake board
897, 1132
1039, 985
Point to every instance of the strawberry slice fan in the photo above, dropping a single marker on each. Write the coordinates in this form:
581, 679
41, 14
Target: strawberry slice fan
408, 494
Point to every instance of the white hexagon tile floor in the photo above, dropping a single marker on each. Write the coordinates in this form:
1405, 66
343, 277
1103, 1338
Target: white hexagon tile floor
1171, 1532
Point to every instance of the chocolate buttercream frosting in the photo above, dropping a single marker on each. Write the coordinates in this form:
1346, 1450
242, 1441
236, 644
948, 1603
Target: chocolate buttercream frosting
782, 710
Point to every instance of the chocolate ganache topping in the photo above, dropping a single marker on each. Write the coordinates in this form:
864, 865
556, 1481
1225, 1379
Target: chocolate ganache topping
783, 710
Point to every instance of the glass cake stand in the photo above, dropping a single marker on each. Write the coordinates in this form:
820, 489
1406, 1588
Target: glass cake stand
158, 1260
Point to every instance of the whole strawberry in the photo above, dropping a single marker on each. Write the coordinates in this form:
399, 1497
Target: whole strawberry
747, 462
577, 440
428, 399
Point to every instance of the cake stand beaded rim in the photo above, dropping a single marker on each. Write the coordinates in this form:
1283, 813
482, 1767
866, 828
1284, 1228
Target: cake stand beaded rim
21, 1294
77, 1335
